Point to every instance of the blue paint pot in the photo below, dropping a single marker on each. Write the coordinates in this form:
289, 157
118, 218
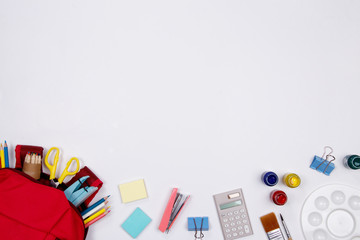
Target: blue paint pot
270, 178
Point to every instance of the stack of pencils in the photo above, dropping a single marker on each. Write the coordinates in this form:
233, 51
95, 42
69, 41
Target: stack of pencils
32, 158
32, 165
4, 155
95, 212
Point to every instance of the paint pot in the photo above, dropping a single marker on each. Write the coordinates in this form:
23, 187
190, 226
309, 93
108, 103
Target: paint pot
352, 162
278, 197
270, 178
291, 180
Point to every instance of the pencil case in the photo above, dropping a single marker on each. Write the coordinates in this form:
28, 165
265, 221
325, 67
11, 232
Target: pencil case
31, 210
91, 181
22, 150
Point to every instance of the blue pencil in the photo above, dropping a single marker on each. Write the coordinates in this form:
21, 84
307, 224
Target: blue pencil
6, 153
94, 205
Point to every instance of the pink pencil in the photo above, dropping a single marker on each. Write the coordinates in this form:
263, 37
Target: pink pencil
96, 219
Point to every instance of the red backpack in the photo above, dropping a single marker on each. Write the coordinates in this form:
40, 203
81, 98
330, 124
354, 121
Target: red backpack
33, 211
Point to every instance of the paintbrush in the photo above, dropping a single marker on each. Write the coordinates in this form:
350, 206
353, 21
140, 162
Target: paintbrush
271, 227
285, 227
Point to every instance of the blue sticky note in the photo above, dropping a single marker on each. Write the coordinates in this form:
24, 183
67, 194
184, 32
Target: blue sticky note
136, 223
191, 223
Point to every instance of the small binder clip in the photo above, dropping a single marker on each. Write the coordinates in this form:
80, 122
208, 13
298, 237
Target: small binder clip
77, 195
198, 224
324, 165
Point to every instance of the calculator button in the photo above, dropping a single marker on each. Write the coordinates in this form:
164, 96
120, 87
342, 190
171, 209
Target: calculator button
226, 225
225, 220
237, 217
223, 215
228, 236
242, 210
230, 213
238, 222
232, 224
240, 227
243, 216
246, 228
227, 230
236, 212
245, 221
241, 233
233, 229
235, 234
231, 219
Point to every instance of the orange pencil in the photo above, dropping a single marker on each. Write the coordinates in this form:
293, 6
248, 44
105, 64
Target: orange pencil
97, 219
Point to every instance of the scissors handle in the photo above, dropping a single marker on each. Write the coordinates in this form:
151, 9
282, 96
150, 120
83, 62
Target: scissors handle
52, 168
66, 173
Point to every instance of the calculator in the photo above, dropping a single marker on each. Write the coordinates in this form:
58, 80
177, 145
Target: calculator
233, 214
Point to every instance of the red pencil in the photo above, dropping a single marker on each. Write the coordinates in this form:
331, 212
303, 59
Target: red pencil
96, 219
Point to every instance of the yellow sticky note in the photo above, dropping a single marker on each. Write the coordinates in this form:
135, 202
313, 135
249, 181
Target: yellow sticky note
133, 191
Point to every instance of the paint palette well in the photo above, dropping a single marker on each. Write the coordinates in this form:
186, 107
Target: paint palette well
332, 212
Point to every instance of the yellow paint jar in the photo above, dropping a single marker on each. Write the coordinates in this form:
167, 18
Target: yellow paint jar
291, 180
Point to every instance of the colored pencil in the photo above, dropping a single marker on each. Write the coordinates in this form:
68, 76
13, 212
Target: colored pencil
27, 158
94, 210
94, 205
96, 219
2, 156
6, 153
95, 215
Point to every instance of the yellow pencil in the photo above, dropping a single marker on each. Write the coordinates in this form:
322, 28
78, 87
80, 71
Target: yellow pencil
2, 155
95, 215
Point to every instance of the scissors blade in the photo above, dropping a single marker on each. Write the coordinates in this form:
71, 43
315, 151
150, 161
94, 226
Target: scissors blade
54, 184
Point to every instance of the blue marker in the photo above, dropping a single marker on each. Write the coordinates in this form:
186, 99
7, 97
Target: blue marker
270, 178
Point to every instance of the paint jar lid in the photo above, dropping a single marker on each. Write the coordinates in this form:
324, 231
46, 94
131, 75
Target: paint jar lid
270, 178
279, 197
354, 162
292, 180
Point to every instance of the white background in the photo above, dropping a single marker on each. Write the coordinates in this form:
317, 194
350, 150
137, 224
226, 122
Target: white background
202, 95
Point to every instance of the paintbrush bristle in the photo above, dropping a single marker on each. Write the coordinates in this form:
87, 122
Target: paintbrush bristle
269, 222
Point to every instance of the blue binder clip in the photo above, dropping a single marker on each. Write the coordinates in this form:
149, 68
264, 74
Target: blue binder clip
324, 165
77, 195
198, 224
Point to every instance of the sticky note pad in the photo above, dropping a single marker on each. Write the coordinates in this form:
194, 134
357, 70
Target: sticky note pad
133, 191
136, 223
198, 220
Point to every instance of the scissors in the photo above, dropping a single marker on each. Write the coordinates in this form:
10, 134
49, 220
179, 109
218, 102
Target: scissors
53, 167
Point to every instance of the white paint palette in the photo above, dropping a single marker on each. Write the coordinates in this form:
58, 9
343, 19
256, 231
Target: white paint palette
332, 212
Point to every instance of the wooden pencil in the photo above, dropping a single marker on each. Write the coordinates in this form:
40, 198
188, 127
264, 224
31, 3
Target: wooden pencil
97, 219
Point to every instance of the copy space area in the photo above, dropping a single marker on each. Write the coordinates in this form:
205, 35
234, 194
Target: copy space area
200, 95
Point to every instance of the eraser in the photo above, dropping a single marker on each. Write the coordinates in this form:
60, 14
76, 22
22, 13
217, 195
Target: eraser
136, 223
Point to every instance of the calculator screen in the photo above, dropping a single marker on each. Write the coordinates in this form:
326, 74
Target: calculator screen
230, 205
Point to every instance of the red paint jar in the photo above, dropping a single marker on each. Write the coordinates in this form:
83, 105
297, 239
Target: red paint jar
278, 197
